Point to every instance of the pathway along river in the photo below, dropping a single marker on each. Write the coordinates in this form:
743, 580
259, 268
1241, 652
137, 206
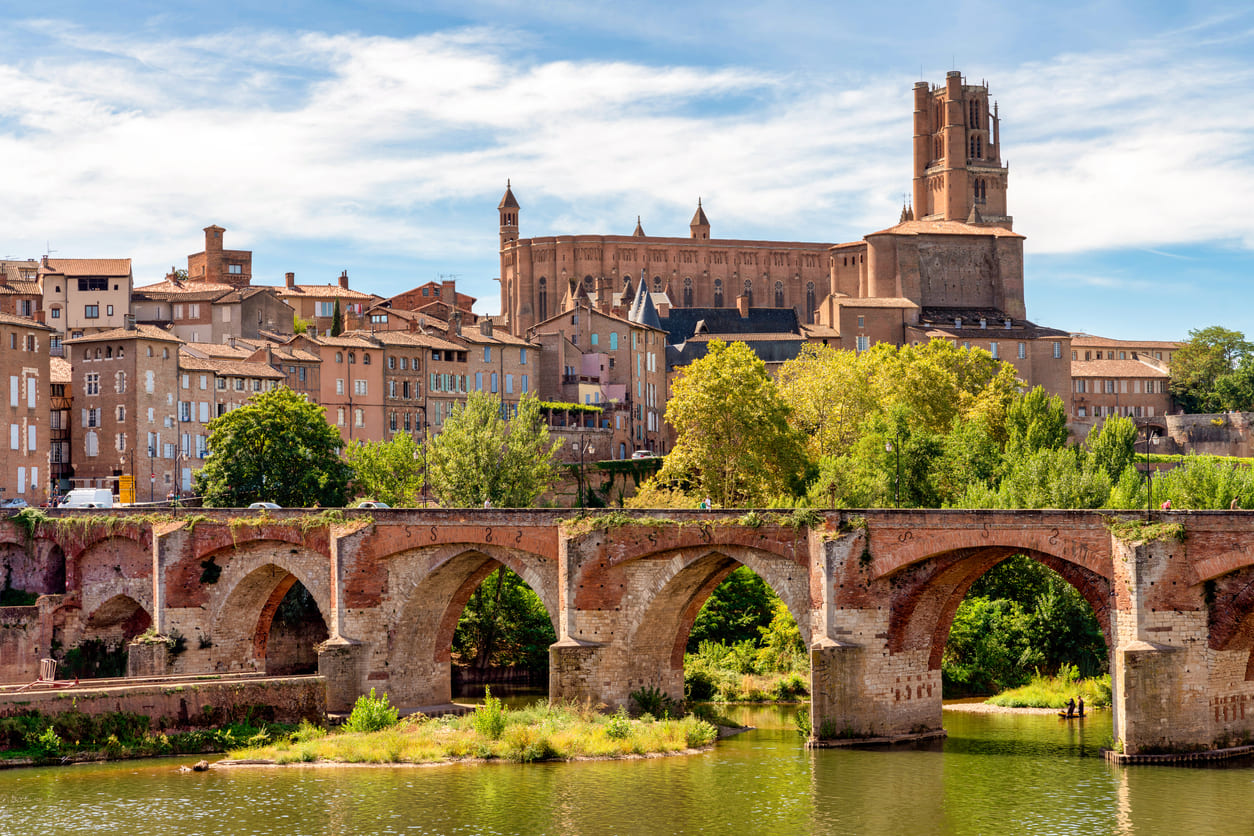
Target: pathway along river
996, 774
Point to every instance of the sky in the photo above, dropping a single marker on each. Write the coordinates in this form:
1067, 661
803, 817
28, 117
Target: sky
377, 137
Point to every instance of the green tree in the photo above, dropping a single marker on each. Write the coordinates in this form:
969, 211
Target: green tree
1065, 477
389, 471
278, 447
829, 393
738, 610
504, 624
337, 320
1035, 421
1196, 367
478, 457
733, 439
1114, 445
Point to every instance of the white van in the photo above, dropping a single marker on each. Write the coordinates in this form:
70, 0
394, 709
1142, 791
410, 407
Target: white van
88, 498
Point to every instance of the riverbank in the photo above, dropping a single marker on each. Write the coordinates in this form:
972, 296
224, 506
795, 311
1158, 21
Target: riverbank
540, 732
988, 708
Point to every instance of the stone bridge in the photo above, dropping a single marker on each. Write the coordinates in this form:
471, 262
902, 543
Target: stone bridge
874, 594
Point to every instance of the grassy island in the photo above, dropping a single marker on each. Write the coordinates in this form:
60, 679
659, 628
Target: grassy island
374, 734
1054, 691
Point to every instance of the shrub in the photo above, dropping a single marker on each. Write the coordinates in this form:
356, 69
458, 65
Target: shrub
619, 726
46, 745
371, 714
655, 701
489, 718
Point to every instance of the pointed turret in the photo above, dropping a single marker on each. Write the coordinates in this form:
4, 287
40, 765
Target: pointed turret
642, 309
907, 213
700, 225
639, 233
507, 209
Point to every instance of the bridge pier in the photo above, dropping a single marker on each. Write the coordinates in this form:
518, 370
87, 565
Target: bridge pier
1160, 665
342, 663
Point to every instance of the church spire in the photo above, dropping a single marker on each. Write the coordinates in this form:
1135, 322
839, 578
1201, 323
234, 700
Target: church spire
639, 233
700, 225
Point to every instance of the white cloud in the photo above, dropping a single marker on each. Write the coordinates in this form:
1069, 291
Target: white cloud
118, 146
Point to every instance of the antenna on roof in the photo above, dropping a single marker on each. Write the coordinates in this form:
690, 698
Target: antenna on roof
48, 250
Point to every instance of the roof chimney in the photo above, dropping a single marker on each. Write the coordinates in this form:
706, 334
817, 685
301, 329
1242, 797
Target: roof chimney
448, 292
289, 280
485, 326
457, 323
128, 322
344, 280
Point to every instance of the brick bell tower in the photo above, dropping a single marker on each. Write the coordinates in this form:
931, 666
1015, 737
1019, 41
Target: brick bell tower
958, 172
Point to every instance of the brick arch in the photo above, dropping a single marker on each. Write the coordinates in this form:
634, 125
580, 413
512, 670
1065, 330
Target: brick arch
121, 617
673, 597
255, 577
1230, 613
926, 594
430, 588
213, 540
107, 567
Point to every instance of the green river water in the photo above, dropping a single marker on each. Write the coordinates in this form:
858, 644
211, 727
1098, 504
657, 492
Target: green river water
995, 774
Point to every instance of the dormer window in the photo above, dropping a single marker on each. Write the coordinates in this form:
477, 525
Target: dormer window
957, 322
1007, 324
983, 323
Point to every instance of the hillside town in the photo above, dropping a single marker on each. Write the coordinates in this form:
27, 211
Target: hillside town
114, 378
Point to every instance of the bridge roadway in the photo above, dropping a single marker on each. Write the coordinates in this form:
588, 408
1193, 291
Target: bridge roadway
873, 592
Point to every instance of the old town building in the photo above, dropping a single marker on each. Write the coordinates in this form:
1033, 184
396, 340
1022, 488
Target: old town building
1130, 378
124, 417
24, 361
205, 312
85, 295
60, 422
20, 293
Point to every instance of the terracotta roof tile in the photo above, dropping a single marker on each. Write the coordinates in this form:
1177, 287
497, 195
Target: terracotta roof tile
1081, 340
90, 266
946, 228
141, 331
59, 370
1116, 368
315, 291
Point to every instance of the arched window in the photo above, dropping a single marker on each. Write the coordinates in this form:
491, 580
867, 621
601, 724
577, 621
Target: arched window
971, 148
779, 294
352, 358
543, 300
688, 292
938, 148
109, 352
657, 284
718, 293
979, 147
749, 291
365, 359
810, 306
97, 354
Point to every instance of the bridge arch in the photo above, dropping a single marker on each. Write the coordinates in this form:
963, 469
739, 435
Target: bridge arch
674, 585
111, 566
430, 587
256, 577
925, 594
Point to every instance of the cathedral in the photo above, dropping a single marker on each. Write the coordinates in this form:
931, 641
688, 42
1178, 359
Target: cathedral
951, 268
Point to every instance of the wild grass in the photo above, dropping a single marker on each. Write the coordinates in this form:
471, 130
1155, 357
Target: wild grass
1054, 691
536, 733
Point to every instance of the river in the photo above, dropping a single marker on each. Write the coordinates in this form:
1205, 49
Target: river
995, 774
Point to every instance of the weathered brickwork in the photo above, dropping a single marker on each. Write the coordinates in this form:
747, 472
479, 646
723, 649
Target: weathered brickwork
874, 595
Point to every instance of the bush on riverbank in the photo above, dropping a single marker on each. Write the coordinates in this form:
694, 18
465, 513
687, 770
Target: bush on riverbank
774, 669
75, 736
1054, 691
540, 732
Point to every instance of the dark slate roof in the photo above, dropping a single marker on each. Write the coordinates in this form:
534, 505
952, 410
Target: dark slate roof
643, 310
681, 323
942, 319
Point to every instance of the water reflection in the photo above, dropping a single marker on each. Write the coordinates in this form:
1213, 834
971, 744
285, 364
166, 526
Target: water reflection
995, 774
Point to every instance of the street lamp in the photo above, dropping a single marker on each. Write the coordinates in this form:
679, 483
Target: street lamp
889, 447
579, 445
1149, 472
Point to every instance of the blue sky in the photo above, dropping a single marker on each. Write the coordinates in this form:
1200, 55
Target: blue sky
377, 136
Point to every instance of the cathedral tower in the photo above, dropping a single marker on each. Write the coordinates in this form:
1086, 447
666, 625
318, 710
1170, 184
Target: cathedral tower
508, 211
958, 173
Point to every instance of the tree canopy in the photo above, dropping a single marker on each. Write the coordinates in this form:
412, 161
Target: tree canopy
1214, 372
733, 442
478, 457
388, 471
278, 448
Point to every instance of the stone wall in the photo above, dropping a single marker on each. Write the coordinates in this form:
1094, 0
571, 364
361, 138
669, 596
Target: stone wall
185, 703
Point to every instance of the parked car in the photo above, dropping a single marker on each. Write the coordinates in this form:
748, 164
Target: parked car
15, 502
264, 506
370, 503
644, 454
